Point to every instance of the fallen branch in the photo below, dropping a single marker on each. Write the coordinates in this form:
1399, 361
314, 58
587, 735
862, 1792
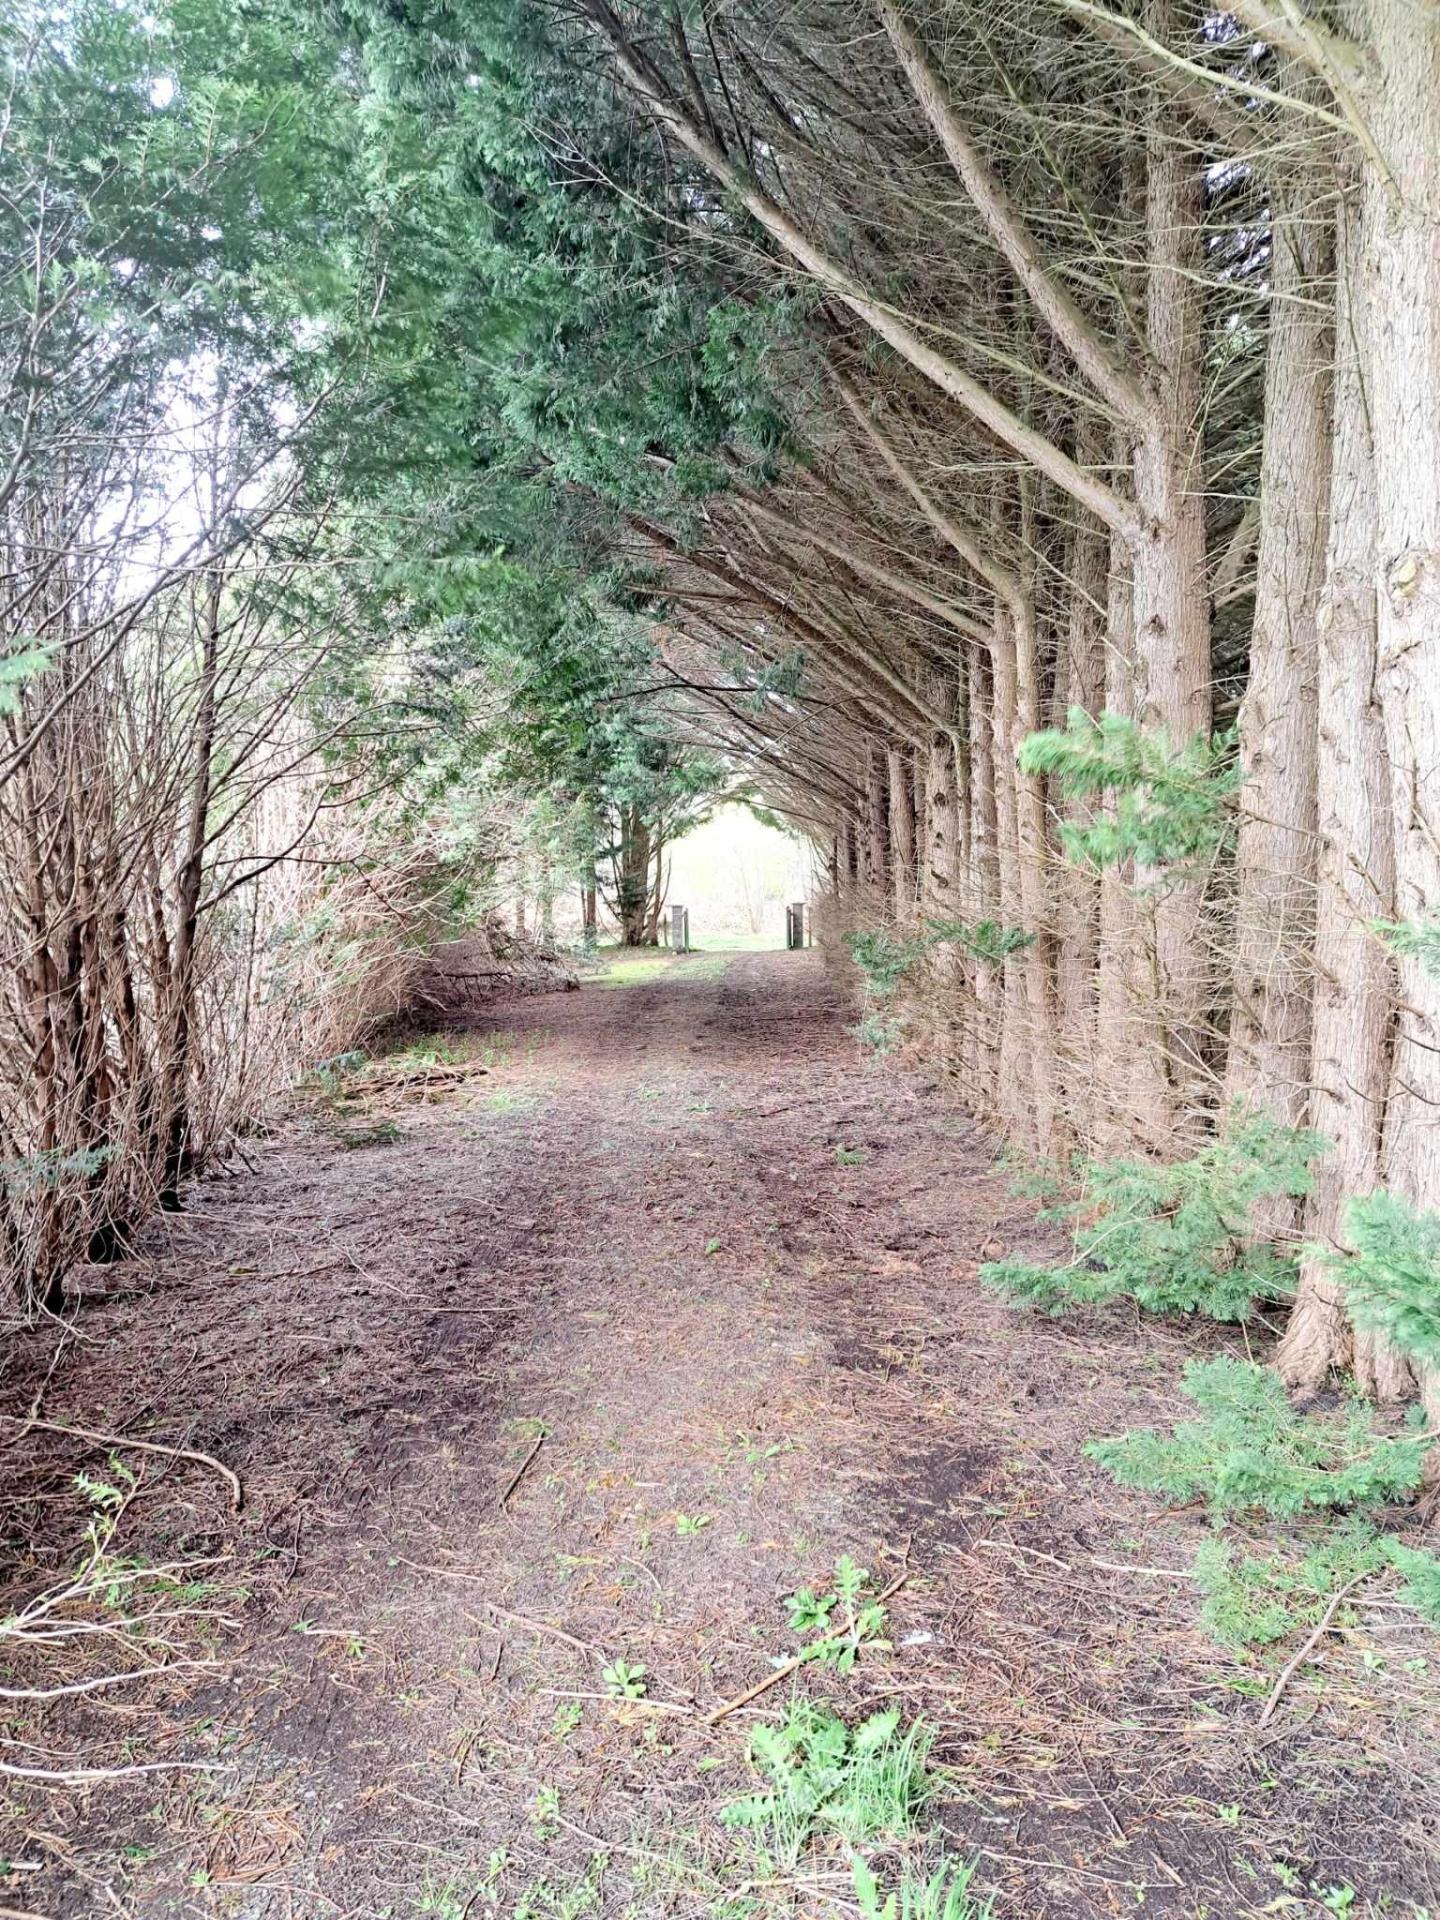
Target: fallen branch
96, 1438
403, 1077
1294, 1664
524, 1467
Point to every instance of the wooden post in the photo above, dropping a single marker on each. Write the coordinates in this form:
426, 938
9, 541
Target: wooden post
795, 925
680, 929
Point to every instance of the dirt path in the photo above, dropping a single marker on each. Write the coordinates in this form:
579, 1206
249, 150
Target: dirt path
723, 1270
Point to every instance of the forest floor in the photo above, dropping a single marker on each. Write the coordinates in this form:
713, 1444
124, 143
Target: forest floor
722, 1268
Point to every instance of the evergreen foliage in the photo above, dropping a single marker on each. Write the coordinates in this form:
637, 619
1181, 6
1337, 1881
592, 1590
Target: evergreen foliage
1421, 1571
1253, 1600
1413, 939
1392, 1274
1171, 806
884, 959
986, 940
1176, 1238
1252, 1452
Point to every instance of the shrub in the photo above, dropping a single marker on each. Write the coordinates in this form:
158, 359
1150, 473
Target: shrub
1392, 1277
1178, 1238
987, 941
1252, 1452
883, 959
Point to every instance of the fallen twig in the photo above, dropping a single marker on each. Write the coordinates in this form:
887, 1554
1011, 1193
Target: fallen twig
96, 1438
1312, 1640
413, 1077
524, 1467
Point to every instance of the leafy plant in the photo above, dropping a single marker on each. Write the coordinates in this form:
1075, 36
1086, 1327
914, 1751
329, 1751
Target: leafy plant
822, 1776
879, 1033
987, 940
1252, 1452
624, 1682
861, 1619
884, 959
945, 1895
1171, 807
687, 1525
1177, 1238
1392, 1275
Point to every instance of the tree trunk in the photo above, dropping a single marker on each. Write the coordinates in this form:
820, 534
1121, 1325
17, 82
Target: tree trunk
1268, 1066
1403, 254
189, 881
902, 833
1172, 637
1353, 1013
1080, 682
877, 826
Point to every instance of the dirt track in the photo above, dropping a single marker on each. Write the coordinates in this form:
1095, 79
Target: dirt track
726, 1268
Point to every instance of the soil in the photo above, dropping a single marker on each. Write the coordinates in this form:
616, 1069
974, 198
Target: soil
722, 1267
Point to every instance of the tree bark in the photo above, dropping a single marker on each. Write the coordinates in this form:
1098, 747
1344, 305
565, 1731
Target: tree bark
1353, 1011
1268, 1065
1402, 215
1172, 636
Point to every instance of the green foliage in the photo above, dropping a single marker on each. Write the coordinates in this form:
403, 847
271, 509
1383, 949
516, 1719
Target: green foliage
624, 1681
1392, 1275
884, 959
1422, 1578
944, 1895
987, 941
52, 1167
878, 1032
1170, 808
822, 1777
1254, 1600
15, 669
1417, 939
380, 1133
1251, 1451
1177, 1238
844, 1620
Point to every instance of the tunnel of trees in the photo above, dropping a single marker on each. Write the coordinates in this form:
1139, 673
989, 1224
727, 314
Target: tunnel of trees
440, 440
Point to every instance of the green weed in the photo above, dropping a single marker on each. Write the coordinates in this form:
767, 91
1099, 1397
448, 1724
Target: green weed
944, 1895
624, 1682
381, 1133
860, 1615
820, 1776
